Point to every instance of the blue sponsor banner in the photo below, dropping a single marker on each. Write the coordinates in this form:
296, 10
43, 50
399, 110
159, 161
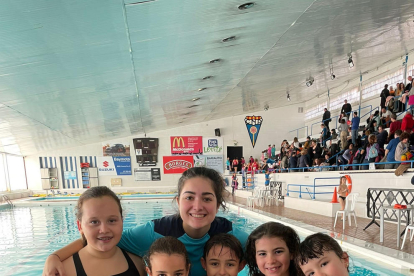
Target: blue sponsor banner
122, 165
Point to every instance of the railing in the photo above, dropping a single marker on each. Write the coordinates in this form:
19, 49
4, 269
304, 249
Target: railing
314, 186
297, 131
336, 121
7, 200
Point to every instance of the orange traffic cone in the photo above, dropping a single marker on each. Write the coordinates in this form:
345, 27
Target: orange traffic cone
335, 197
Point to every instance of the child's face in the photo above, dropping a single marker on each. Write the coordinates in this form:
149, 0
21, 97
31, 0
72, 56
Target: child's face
167, 265
101, 223
272, 256
328, 265
222, 261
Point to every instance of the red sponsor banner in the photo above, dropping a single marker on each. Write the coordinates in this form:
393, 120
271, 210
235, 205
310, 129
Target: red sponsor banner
177, 164
186, 145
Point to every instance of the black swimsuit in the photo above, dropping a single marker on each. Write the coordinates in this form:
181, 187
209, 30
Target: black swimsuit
131, 271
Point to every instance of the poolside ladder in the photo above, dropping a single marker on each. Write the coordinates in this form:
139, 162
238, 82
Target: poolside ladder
7, 200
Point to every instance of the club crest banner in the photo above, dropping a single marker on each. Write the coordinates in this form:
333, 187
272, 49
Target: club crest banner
253, 124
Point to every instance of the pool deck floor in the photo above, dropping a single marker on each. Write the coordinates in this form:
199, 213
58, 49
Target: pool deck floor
371, 235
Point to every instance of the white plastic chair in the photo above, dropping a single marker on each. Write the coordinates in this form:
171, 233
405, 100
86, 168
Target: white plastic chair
251, 199
411, 228
346, 212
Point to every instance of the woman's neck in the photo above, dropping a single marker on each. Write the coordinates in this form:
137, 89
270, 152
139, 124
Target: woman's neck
195, 233
100, 254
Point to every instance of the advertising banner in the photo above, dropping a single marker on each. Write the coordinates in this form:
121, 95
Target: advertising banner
114, 165
142, 174
118, 149
212, 146
210, 161
155, 174
186, 145
177, 164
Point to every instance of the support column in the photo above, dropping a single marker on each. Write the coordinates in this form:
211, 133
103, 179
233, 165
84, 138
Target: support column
360, 94
405, 70
328, 104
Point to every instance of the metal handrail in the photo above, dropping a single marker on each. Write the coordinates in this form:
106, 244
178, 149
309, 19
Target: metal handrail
297, 131
7, 200
314, 189
336, 121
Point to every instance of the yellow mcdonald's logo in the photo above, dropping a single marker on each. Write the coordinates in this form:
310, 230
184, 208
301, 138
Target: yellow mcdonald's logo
179, 141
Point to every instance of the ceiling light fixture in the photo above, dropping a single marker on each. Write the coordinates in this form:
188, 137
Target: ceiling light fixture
195, 99
215, 60
208, 77
288, 97
246, 6
309, 81
201, 89
350, 61
230, 38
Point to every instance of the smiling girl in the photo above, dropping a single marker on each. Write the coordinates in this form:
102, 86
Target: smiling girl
99, 220
271, 249
200, 195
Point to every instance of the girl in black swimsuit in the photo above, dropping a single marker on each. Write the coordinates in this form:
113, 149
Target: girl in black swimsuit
99, 219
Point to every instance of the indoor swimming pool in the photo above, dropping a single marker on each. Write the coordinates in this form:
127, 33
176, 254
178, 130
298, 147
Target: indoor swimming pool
30, 234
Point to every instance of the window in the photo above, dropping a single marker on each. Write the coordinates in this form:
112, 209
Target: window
3, 184
351, 96
17, 174
315, 111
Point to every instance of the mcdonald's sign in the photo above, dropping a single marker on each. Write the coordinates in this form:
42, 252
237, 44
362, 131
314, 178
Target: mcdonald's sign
186, 144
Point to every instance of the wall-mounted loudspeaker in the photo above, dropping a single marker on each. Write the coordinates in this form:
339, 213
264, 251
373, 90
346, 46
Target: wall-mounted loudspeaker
217, 131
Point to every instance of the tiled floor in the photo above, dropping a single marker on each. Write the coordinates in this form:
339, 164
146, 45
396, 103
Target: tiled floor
370, 235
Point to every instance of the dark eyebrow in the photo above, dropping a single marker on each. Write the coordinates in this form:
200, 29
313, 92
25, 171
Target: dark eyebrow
193, 193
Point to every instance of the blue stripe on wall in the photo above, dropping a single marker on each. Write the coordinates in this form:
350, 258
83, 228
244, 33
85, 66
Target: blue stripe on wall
66, 168
62, 172
91, 163
46, 166
71, 169
76, 169
96, 164
41, 162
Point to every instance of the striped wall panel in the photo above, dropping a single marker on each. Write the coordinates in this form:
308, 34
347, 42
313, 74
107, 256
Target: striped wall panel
69, 163
47, 162
89, 159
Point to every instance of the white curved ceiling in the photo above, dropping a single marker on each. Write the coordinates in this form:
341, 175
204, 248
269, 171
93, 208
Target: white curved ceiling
76, 72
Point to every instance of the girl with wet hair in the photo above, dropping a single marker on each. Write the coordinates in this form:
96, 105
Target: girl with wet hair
201, 193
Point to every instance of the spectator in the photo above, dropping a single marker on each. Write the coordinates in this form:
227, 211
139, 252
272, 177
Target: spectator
324, 134
269, 152
398, 91
307, 143
374, 127
251, 159
334, 135
243, 162
304, 159
343, 130
295, 143
355, 127
385, 117
382, 137
392, 91
384, 94
326, 118
409, 84
372, 150
228, 163
346, 156
316, 150
273, 152
234, 164
402, 146
346, 108
407, 123
293, 161
390, 150
394, 126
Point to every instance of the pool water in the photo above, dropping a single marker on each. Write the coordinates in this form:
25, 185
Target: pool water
30, 234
